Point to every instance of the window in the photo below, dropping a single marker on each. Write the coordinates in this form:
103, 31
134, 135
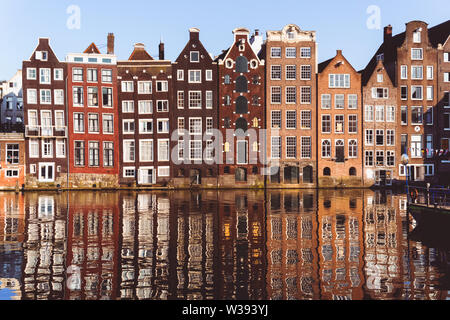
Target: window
276, 147
326, 149
127, 86
368, 113
209, 75
31, 74
404, 143
430, 93
339, 101
128, 126
209, 125
146, 150
446, 76
380, 78
195, 150
305, 52
369, 158
291, 119
326, 123
416, 146
306, 148
209, 99
353, 149
77, 74
78, 122
127, 106
93, 120
59, 97
305, 97
404, 92
417, 36
291, 95
390, 114
227, 100
275, 95
145, 107
379, 137
429, 145
144, 87
276, 119
45, 77
446, 56
195, 56
181, 126
404, 72
275, 52
326, 101
416, 72
305, 72
163, 150
275, 73
390, 137
416, 115
306, 121
339, 128
291, 147
339, 81
94, 151
12, 153
47, 148
416, 54
92, 75
108, 123
379, 113
59, 119
353, 101
164, 171
46, 96
79, 153
12, 173
195, 126
31, 96
180, 75
161, 86
379, 160
404, 115
430, 72
340, 151
163, 126
129, 172
195, 76
291, 72
107, 76
58, 74
429, 116
60, 148
92, 97
34, 148
380, 93
353, 123
129, 150
195, 99
227, 79
162, 106
291, 52
369, 137
78, 96
416, 92
180, 99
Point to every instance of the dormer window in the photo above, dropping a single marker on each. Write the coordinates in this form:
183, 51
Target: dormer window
417, 35
195, 56
291, 35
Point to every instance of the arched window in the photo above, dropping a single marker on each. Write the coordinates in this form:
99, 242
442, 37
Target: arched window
241, 84
255, 123
227, 123
241, 124
241, 105
352, 171
226, 147
327, 172
241, 64
353, 149
326, 149
255, 146
227, 79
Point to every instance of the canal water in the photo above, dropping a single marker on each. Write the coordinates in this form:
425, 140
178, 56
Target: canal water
245, 245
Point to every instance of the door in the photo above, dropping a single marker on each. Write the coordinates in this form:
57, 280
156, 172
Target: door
146, 176
196, 178
308, 174
46, 172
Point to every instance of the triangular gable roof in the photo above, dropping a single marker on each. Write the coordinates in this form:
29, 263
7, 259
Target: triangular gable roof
237, 31
139, 53
92, 49
201, 48
325, 64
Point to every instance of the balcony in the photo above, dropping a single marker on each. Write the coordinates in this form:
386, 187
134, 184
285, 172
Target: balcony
45, 132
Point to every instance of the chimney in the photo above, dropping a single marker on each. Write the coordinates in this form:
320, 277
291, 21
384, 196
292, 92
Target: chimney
339, 52
194, 34
387, 33
110, 43
257, 32
161, 50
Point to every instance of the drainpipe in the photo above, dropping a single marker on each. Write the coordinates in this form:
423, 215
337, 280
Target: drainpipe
67, 133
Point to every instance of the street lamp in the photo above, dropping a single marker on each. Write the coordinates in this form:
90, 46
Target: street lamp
405, 161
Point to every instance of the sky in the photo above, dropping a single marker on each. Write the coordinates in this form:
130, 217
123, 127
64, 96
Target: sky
353, 26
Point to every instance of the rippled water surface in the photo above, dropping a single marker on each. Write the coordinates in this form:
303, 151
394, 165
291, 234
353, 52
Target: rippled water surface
255, 245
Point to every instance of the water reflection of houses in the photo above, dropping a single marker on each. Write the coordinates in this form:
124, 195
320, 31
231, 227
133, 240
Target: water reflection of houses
292, 245
241, 246
340, 234
44, 246
12, 230
92, 246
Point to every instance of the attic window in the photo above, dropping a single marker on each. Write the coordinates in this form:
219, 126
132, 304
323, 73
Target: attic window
380, 57
417, 36
195, 56
108, 61
379, 77
291, 35
78, 59
92, 60
241, 65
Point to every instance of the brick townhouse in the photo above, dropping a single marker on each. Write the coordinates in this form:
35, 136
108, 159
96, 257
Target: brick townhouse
194, 115
339, 116
93, 117
44, 86
291, 68
12, 161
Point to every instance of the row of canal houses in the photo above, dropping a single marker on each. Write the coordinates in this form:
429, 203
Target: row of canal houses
284, 119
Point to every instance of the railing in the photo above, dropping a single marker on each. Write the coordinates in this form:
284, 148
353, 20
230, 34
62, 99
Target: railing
45, 132
430, 197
